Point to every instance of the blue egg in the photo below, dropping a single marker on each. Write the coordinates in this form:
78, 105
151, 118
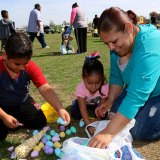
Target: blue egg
81, 123
61, 121
49, 143
48, 137
73, 129
52, 132
68, 132
35, 132
57, 151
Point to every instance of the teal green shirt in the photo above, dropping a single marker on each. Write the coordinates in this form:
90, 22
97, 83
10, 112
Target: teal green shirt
141, 76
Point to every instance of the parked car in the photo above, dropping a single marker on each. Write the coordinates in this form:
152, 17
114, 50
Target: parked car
48, 29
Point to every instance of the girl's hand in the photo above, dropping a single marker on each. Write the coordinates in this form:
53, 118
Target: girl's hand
10, 121
64, 115
102, 109
101, 140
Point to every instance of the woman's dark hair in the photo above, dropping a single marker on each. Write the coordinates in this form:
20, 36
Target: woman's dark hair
93, 66
133, 17
75, 5
18, 45
113, 18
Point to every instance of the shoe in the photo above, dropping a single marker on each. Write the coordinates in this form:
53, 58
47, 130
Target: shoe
46, 47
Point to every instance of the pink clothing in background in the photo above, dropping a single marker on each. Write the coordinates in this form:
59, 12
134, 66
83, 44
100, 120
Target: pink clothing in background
81, 91
73, 15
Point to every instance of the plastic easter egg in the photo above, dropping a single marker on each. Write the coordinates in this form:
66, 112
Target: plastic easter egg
68, 132
81, 123
52, 132
62, 128
57, 145
34, 154
36, 148
49, 151
61, 121
13, 155
55, 139
41, 145
56, 135
46, 147
35, 132
62, 134
60, 155
49, 143
73, 129
10, 149
57, 151
48, 128
44, 140
48, 137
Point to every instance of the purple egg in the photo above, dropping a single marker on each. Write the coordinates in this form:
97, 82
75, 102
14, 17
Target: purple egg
49, 150
44, 140
10, 149
46, 147
34, 154
62, 128
13, 155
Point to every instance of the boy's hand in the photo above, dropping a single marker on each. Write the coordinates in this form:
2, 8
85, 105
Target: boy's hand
10, 121
64, 115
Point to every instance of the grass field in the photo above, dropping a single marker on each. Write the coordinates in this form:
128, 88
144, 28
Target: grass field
63, 72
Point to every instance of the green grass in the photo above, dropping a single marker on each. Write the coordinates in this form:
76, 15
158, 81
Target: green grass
63, 72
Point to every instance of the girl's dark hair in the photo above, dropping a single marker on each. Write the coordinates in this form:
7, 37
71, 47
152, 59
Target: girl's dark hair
133, 17
91, 66
113, 18
75, 5
18, 45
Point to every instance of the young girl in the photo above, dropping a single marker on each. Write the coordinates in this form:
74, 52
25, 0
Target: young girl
92, 91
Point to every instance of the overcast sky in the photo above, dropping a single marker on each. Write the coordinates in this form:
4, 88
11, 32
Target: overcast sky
59, 10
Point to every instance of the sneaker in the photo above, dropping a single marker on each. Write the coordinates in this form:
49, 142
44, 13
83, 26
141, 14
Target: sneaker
46, 47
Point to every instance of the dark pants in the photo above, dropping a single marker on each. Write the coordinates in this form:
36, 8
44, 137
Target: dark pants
81, 38
75, 111
147, 126
28, 113
40, 38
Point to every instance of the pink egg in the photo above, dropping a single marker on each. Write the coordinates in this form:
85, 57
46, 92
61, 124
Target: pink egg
55, 139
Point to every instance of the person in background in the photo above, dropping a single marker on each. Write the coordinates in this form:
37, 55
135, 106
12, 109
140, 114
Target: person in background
17, 70
35, 26
95, 22
79, 23
134, 90
7, 27
153, 19
91, 92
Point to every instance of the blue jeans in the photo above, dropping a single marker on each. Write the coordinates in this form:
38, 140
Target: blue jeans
40, 38
147, 126
75, 112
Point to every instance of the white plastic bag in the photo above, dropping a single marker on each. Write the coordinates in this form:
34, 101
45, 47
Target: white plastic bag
74, 149
63, 49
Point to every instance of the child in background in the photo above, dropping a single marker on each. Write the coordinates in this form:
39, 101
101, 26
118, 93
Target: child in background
92, 91
66, 39
17, 70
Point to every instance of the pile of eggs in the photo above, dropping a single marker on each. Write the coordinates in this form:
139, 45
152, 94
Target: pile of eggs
50, 143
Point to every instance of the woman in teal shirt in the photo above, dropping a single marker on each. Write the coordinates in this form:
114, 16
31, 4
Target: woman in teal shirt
134, 77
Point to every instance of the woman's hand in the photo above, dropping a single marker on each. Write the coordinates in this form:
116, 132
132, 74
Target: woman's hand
103, 108
10, 121
101, 140
64, 115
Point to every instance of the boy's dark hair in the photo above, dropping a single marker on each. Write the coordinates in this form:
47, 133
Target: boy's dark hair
18, 45
3, 12
91, 66
75, 5
65, 27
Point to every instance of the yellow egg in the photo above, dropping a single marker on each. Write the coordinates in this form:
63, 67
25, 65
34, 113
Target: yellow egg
41, 145
57, 145
37, 148
62, 134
